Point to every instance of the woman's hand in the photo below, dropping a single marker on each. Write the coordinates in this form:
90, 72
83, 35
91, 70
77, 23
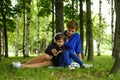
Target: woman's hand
66, 39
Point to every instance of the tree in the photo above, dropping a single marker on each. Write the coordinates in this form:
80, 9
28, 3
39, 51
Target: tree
99, 29
89, 31
27, 31
59, 15
47, 31
116, 50
17, 33
3, 13
0, 45
72, 9
38, 26
81, 26
53, 18
24, 29
112, 24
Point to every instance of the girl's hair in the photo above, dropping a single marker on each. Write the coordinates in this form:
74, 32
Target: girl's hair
58, 36
72, 25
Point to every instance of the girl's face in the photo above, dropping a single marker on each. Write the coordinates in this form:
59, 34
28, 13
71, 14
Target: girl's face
70, 32
60, 42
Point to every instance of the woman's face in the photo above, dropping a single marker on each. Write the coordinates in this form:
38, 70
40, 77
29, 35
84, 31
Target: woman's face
70, 32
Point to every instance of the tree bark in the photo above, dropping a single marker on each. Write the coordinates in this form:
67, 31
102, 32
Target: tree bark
53, 22
89, 31
38, 27
112, 25
24, 29
17, 33
116, 51
47, 32
3, 13
72, 9
0, 46
2, 43
27, 29
81, 26
59, 16
99, 29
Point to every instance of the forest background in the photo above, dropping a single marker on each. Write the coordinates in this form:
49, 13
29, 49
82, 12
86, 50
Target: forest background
17, 24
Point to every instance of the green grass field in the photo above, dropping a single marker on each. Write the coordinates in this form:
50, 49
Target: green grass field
100, 70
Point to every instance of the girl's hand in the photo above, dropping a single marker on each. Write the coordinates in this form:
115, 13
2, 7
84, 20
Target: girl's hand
54, 51
59, 51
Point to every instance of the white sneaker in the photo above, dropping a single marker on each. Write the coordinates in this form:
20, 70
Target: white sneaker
71, 67
76, 65
16, 64
88, 65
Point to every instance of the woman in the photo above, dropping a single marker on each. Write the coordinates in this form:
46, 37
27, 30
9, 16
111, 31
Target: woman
72, 44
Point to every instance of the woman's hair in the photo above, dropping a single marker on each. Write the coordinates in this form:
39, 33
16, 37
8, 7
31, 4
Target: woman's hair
72, 25
58, 36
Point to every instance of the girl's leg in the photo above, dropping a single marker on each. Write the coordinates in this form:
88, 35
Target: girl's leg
61, 60
39, 59
75, 58
37, 65
64, 59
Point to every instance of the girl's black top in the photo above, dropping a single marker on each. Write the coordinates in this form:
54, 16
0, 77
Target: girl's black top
55, 58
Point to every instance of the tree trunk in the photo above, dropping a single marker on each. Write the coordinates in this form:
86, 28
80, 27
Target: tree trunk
38, 27
53, 26
59, 16
0, 46
17, 33
6, 37
24, 29
47, 31
116, 66
112, 25
89, 31
99, 30
81, 26
2, 43
38, 35
3, 13
27, 31
72, 9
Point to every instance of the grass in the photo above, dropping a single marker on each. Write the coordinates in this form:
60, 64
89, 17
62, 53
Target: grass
100, 70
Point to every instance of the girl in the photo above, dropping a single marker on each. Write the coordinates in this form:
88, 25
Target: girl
47, 59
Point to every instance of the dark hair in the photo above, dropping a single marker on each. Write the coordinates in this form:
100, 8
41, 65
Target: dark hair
58, 36
72, 25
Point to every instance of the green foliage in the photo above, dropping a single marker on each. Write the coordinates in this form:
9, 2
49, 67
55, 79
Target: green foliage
10, 25
95, 25
18, 9
100, 70
106, 43
45, 6
68, 11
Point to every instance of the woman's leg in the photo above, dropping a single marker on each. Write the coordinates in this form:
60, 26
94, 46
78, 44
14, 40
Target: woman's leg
37, 65
39, 59
75, 58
